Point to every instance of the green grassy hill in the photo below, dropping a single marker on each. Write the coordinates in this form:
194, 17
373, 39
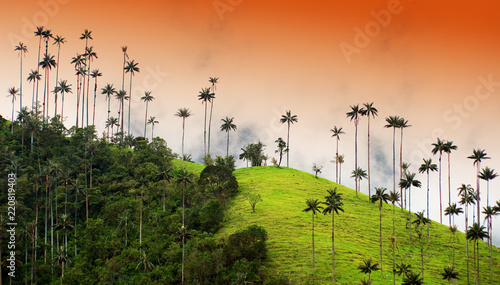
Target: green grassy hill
284, 192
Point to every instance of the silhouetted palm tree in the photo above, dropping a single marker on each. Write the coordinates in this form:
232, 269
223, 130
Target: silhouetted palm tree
380, 197
369, 111
452, 211
152, 121
354, 115
333, 204
58, 40
131, 67
206, 96
406, 183
34, 76
467, 197
475, 233
212, 80
95, 74
392, 122
125, 57
393, 198
47, 63
22, 50
64, 88
439, 148
13, 93
314, 207
183, 113
426, 167
488, 174
358, 174
489, 212
340, 160
289, 119
90, 54
121, 96
401, 124
109, 91
336, 132
146, 98
448, 148
227, 126
478, 155
367, 267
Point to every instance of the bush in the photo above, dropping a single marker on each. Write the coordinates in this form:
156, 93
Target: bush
249, 244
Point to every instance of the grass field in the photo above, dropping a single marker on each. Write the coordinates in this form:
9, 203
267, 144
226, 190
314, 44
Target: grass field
284, 192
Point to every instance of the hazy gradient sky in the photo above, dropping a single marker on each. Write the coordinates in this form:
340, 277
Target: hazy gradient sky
435, 64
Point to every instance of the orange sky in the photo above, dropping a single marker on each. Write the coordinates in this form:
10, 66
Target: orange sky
424, 64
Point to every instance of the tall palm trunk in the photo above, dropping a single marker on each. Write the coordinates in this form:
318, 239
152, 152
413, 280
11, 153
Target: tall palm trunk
394, 167
146, 120
88, 88
314, 262
227, 148
491, 253
369, 188
449, 188
205, 131
393, 244
428, 205
129, 103
210, 122
356, 154
140, 221
401, 164
82, 89
409, 214
95, 95
57, 74
337, 162
21, 83
76, 215
38, 70
77, 98
466, 242
288, 146
440, 197
183, 228
478, 195
380, 236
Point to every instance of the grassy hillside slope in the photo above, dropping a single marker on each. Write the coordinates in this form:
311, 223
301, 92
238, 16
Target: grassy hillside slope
284, 192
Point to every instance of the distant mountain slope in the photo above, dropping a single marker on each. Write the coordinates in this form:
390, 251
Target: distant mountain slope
284, 192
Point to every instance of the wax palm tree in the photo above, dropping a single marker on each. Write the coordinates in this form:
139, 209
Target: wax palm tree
146, 98
124, 221
448, 148
108, 90
392, 122
333, 204
393, 198
403, 268
184, 177
367, 267
489, 212
467, 197
47, 63
90, 54
449, 274
478, 155
281, 148
121, 96
336, 132
404, 169
22, 50
438, 147
212, 80
475, 233
86, 35
412, 278
420, 221
427, 167
406, 183
206, 96
95, 74
111, 122
313, 206
125, 57
369, 111
34, 76
289, 119
58, 40
64, 88
39, 34
165, 174
152, 121
227, 126
402, 124
13, 93
79, 62
131, 67
488, 174
354, 115
358, 174
340, 160
451, 211
380, 197
183, 113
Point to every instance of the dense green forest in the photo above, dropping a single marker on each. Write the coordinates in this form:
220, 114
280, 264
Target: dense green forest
91, 211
